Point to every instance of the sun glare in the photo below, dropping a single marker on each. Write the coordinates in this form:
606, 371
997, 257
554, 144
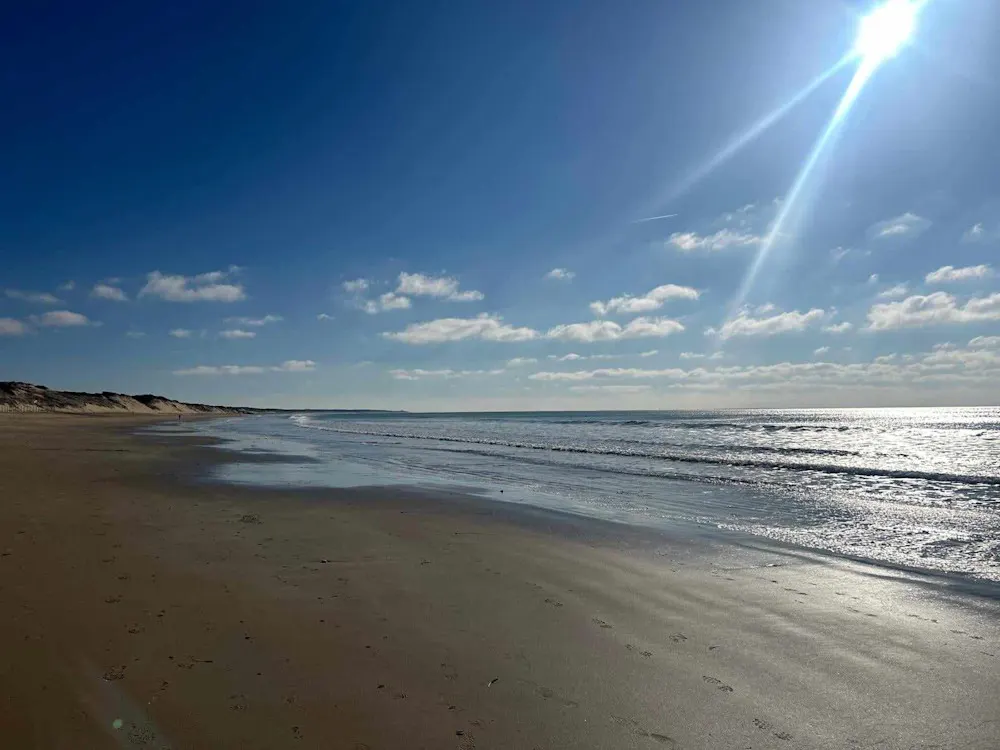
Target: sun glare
885, 30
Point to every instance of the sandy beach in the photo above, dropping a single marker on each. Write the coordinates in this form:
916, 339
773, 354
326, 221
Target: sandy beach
142, 608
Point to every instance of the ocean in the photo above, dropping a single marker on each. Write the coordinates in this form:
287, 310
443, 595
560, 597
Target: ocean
913, 488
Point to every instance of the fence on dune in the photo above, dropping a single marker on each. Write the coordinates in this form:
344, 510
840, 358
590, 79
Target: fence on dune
18, 408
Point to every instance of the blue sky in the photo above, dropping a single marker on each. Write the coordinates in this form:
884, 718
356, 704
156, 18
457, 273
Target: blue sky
450, 206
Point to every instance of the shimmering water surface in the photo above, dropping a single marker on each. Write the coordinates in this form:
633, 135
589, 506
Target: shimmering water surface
912, 487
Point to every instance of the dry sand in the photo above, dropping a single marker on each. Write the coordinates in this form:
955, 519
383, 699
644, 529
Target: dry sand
142, 610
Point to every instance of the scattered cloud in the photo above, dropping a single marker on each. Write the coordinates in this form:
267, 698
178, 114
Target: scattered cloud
688, 242
745, 324
256, 322
561, 274
873, 279
571, 357
905, 225
386, 302
38, 298
692, 355
324, 316
237, 333
651, 300
439, 374
205, 287
821, 351
11, 327
295, 365
975, 233
950, 274
521, 361
135, 334
650, 353
985, 342
355, 286
441, 287
938, 308
107, 291
67, 286
839, 253
484, 326
291, 365
842, 327
61, 319
606, 330
610, 389
181, 333
894, 292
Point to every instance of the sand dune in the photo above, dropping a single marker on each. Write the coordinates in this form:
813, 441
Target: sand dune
25, 397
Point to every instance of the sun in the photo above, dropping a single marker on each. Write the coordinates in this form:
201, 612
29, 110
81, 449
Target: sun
885, 30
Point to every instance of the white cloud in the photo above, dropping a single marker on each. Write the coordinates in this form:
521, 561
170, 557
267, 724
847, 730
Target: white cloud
985, 342
237, 333
484, 326
839, 253
61, 319
40, 298
67, 286
651, 300
205, 287
355, 286
650, 353
746, 325
612, 389
933, 309
106, 291
906, 225
256, 322
11, 327
135, 334
419, 374
295, 365
606, 330
560, 274
842, 327
442, 287
291, 365
221, 370
894, 292
873, 279
949, 274
820, 351
324, 316
608, 372
692, 355
386, 302
521, 361
725, 238
571, 357
181, 333
975, 233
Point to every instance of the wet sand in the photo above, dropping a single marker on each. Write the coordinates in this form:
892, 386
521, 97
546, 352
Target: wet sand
141, 609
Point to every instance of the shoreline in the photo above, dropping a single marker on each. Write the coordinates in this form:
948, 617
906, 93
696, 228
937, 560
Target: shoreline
224, 616
522, 512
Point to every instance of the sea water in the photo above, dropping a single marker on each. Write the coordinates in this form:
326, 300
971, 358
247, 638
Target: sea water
916, 488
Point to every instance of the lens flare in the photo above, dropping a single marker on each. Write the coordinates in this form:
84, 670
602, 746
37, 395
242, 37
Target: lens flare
885, 30
881, 34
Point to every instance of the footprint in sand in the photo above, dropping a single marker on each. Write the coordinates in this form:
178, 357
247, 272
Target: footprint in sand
678, 637
636, 728
635, 650
765, 726
719, 684
554, 602
601, 623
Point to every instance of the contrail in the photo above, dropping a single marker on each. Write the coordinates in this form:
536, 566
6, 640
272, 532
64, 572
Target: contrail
654, 218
